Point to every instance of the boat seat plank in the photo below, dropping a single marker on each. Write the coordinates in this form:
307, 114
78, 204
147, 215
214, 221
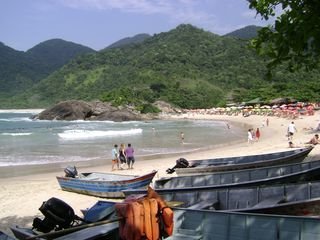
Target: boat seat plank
179, 236
92, 232
205, 204
270, 202
184, 233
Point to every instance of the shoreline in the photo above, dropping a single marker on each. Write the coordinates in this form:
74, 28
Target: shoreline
38, 168
21, 196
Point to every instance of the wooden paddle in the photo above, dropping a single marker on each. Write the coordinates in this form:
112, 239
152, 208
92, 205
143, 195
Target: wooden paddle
73, 229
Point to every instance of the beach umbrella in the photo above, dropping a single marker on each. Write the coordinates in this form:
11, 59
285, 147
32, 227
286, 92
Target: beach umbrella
265, 106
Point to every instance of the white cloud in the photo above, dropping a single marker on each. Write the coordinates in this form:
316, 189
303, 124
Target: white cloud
176, 10
137, 6
201, 13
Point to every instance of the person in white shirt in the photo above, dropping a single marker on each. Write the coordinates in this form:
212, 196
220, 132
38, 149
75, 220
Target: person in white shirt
291, 130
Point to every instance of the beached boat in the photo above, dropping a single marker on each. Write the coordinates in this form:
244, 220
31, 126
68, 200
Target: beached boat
289, 173
289, 199
203, 224
243, 162
104, 184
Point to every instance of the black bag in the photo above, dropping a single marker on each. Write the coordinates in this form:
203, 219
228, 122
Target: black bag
123, 159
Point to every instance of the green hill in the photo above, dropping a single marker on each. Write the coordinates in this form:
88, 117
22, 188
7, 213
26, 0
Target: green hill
186, 66
139, 38
21, 70
15, 71
247, 32
52, 54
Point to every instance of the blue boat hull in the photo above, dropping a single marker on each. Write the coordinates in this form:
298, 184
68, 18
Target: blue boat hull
104, 188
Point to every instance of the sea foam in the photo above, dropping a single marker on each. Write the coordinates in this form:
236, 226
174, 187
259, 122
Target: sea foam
86, 134
16, 134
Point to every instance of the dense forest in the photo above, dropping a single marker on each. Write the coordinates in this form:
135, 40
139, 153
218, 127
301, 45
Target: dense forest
21, 70
187, 66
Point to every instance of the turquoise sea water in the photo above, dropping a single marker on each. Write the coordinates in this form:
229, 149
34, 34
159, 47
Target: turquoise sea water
24, 141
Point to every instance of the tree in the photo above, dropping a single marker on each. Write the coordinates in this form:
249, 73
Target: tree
295, 36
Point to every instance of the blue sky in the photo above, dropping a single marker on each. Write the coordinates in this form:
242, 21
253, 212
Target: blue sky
98, 23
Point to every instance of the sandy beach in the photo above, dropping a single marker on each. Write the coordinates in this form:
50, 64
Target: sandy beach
21, 197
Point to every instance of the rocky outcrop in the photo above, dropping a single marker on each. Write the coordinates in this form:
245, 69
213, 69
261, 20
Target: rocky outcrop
68, 110
97, 111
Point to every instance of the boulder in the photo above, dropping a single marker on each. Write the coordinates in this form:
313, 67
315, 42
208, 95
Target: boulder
80, 110
68, 110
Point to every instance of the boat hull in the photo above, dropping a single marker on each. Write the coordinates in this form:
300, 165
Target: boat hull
292, 173
203, 224
297, 172
293, 198
244, 162
101, 188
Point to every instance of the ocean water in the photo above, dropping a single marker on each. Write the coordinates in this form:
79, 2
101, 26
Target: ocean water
24, 141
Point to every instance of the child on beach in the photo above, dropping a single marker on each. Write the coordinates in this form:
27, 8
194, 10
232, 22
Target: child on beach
115, 159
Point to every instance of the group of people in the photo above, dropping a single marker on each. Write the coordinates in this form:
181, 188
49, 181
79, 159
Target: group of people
122, 157
292, 130
253, 135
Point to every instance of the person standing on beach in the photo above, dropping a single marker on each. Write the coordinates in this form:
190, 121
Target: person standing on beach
291, 130
182, 137
257, 134
130, 156
250, 137
122, 156
115, 157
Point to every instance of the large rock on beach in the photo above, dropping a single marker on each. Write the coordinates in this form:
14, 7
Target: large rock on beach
68, 110
97, 111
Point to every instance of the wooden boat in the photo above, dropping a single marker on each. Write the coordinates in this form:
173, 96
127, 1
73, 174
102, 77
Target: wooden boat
104, 184
289, 199
244, 162
295, 172
204, 224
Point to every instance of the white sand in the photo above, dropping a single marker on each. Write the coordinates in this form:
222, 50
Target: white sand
20, 197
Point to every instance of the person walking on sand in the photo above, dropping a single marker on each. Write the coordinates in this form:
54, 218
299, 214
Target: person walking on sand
115, 157
291, 130
130, 156
250, 137
257, 134
122, 156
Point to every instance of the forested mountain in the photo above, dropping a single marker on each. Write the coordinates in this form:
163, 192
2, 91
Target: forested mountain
20, 70
139, 38
55, 53
247, 32
15, 71
186, 66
